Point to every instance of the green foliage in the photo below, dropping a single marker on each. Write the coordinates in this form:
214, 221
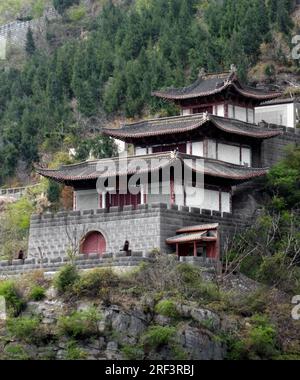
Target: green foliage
66, 278
131, 49
13, 299
53, 191
193, 285
273, 270
132, 352
251, 304
37, 293
269, 250
62, 5
25, 328
16, 352
77, 13
262, 337
284, 181
167, 308
30, 44
95, 283
157, 336
80, 324
74, 353
259, 341
98, 147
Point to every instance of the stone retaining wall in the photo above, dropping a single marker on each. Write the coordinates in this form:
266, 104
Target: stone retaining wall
273, 150
15, 32
120, 260
146, 228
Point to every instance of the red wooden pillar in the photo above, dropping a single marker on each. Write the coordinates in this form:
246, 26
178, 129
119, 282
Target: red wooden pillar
74, 201
212, 250
195, 249
172, 191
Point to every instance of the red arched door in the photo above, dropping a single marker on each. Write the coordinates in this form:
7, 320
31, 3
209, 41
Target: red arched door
94, 242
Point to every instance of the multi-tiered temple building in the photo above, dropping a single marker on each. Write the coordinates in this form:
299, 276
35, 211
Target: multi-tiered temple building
188, 170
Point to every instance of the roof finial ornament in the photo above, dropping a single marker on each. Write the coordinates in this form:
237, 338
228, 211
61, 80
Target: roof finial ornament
233, 68
202, 73
174, 153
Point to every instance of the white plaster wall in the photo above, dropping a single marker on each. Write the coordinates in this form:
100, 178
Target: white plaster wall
291, 117
159, 193
179, 195
211, 200
229, 153
276, 114
186, 112
226, 202
195, 197
220, 110
230, 111
297, 113
87, 200
251, 115
140, 151
246, 156
240, 113
212, 149
120, 145
197, 149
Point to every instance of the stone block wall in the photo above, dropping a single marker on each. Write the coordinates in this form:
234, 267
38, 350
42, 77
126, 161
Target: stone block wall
146, 228
52, 235
173, 219
273, 150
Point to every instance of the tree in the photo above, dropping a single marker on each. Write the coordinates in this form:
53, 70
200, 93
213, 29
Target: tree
30, 44
284, 181
62, 5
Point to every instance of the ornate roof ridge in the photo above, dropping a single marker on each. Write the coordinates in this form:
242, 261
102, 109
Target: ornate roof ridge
208, 84
159, 119
212, 167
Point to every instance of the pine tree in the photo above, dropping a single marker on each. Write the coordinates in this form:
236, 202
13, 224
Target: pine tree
30, 44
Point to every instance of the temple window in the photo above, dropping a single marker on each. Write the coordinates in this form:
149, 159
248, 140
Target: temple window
234, 154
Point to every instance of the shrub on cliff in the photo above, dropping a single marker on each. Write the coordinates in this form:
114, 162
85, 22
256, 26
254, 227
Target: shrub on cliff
258, 341
13, 298
37, 293
80, 324
157, 336
167, 308
66, 278
24, 328
95, 282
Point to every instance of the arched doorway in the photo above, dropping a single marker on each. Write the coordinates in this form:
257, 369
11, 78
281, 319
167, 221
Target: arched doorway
94, 242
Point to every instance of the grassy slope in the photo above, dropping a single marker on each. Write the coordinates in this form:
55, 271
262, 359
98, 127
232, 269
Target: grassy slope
10, 9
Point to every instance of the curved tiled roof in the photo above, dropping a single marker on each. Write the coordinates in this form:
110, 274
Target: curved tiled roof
181, 124
280, 101
203, 227
213, 84
92, 170
187, 238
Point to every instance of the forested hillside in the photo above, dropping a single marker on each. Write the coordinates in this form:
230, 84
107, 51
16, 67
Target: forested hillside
66, 91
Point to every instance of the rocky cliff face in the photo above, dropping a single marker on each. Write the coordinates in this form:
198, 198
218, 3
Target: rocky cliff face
160, 311
120, 328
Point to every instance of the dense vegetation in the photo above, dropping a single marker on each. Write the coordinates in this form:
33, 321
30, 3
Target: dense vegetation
65, 93
165, 298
